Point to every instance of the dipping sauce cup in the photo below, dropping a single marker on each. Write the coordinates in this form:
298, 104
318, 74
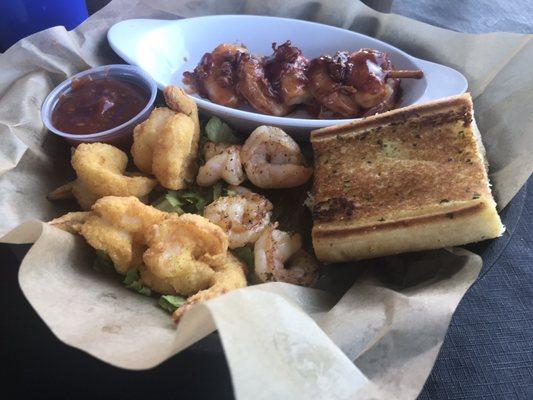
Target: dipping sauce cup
98, 99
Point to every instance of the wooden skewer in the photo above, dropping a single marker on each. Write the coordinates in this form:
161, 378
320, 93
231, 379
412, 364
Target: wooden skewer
405, 73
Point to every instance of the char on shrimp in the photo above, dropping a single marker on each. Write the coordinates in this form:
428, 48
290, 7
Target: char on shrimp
215, 76
286, 70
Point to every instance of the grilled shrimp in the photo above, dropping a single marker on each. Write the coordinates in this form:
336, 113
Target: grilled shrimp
223, 161
215, 75
326, 76
286, 70
278, 257
273, 160
253, 85
243, 217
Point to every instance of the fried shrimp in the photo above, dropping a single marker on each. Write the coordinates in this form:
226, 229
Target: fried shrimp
223, 161
100, 170
243, 217
229, 274
278, 257
188, 255
177, 100
215, 75
181, 250
166, 144
185, 255
273, 160
117, 226
71, 222
254, 86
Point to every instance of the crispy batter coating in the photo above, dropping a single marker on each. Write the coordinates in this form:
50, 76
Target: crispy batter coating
117, 225
166, 144
230, 274
177, 100
181, 251
186, 255
145, 136
173, 151
71, 222
101, 170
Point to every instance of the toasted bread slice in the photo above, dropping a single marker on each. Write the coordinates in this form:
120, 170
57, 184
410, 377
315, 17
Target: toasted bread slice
406, 180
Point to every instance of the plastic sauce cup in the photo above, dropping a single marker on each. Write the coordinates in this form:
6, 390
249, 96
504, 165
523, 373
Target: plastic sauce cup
120, 135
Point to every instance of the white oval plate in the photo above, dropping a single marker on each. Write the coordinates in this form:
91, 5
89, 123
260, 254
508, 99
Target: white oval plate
167, 48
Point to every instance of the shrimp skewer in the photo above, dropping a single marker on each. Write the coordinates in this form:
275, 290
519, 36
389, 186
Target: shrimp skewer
215, 75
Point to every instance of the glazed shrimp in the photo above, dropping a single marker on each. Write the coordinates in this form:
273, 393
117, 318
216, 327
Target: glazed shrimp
286, 69
368, 75
278, 257
243, 217
215, 75
253, 85
273, 160
222, 162
326, 76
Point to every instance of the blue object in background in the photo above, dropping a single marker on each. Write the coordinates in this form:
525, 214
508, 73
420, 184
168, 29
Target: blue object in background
20, 18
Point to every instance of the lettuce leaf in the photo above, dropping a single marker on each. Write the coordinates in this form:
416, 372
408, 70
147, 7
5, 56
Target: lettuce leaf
220, 132
194, 199
169, 203
182, 201
132, 282
170, 303
102, 262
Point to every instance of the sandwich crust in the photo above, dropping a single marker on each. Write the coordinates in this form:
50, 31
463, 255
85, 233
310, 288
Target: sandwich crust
405, 180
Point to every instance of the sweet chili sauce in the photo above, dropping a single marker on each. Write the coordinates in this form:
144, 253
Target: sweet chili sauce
96, 105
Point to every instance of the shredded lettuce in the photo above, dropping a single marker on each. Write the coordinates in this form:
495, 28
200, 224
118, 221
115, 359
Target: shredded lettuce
132, 282
245, 254
102, 262
170, 203
182, 201
170, 303
220, 132
194, 199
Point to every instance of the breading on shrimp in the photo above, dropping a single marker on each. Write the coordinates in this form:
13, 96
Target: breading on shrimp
145, 137
273, 160
166, 144
185, 255
278, 257
179, 101
230, 274
180, 252
188, 255
101, 171
242, 216
71, 222
117, 226
223, 161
